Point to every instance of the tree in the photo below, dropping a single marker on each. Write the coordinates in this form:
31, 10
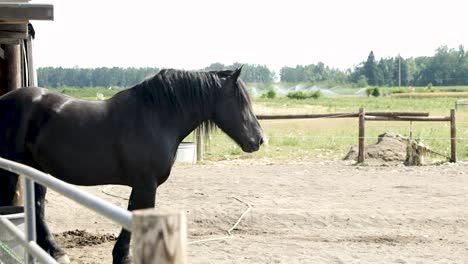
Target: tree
371, 71
386, 67
314, 73
362, 81
215, 67
446, 67
85, 77
376, 92
401, 71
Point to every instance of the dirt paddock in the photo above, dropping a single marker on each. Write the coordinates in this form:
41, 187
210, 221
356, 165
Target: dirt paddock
317, 212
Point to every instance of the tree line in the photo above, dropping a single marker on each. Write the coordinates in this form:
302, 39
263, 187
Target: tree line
125, 77
446, 67
92, 77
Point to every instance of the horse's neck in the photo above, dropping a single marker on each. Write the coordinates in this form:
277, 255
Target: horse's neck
179, 123
191, 119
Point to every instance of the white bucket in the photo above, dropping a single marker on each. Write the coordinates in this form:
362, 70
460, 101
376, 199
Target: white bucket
187, 152
10, 247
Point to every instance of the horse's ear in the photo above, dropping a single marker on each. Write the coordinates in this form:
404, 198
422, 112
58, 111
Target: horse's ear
237, 73
223, 74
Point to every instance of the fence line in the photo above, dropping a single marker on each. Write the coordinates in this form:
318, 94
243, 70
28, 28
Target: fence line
408, 118
453, 130
96, 204
378, 116
341, 115
32, 247
333, 137
113, 212
369, 116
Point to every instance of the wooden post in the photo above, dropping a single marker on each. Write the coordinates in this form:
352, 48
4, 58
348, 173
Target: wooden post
159, 237
199, 132
13, 67
361, 153
453, 136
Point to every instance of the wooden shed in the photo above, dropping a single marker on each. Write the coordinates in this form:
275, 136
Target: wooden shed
16, 35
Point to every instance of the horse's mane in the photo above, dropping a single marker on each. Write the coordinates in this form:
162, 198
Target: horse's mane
178, 90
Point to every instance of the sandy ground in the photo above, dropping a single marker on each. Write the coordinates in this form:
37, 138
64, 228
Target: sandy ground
317, 212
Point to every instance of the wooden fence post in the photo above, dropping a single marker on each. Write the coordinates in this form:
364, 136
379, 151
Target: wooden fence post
159, 237
453, 136
361, 141
13, 66
199, 132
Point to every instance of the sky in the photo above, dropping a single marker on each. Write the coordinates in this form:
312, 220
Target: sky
191, 34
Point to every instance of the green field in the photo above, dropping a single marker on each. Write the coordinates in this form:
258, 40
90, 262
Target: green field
89, 93
332, 138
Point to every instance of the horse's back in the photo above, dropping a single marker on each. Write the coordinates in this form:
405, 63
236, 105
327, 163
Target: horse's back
17, 110
53, 132
13, 108
24, 95
17, 106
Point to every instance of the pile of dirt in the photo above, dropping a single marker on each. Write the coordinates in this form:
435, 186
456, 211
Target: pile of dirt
81, 238
390, 148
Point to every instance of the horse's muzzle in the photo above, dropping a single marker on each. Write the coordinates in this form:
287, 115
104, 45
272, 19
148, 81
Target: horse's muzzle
253, 145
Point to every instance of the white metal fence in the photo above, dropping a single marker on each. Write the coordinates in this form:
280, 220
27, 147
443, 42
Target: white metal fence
113, 212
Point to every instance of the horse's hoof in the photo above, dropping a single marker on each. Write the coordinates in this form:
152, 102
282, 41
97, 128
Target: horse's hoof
64, 259
127, 260
123, 260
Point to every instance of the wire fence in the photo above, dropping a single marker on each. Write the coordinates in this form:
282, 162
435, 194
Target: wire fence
297, 134
355, 137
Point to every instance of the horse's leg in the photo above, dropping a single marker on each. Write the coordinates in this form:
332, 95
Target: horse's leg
139, 199
8, 180
44, 237
8, 183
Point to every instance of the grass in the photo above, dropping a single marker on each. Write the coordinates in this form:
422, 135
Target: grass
332, 138
432, 95
90, 93
434, 105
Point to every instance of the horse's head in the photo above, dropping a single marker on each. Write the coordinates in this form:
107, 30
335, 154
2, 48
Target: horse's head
233, 112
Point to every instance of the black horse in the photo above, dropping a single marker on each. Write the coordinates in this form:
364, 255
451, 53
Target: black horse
130, 139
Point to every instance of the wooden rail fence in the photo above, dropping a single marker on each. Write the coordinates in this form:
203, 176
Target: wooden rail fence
363, 116
370, 116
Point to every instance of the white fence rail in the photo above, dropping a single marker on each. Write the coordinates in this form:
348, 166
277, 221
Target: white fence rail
102, 207
113, 212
